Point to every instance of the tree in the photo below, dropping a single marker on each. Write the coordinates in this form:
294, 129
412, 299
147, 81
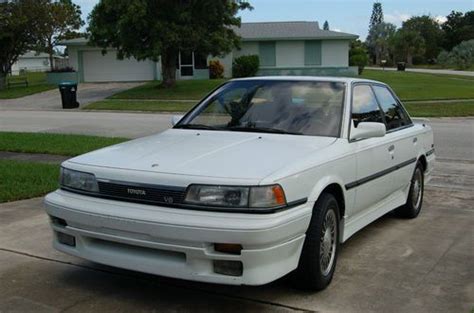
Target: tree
377, 15
458, 27
154, 29
378, 40
430, 30
407, 43
358, 55
326, 25
376, 20
19, 24
62, 20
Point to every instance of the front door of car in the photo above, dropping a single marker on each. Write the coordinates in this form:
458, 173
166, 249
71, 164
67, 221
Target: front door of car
400, 134
374, 156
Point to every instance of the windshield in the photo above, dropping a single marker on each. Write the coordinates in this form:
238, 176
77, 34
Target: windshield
287, 107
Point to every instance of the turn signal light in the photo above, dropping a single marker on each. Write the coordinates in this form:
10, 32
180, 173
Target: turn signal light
228, 248
279, 194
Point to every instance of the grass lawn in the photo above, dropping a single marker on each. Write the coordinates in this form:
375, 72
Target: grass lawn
416, 86
409, 86
137, 105
184, 90
36, 83
69, 145
450, 109
24, 180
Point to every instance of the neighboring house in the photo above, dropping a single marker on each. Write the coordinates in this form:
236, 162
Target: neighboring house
35, 62
284, 48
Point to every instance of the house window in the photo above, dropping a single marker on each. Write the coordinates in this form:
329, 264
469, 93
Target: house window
200, 61
267, 53
312, 52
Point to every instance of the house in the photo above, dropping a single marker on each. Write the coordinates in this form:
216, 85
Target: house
284, 48
35, 62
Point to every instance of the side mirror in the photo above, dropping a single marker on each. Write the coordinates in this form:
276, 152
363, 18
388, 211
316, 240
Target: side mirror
366, 130
175, 119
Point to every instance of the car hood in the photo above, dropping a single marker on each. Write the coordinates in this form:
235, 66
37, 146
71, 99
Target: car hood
223, 154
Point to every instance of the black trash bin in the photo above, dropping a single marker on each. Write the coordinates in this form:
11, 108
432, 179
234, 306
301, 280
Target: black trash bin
68, 90
401, 66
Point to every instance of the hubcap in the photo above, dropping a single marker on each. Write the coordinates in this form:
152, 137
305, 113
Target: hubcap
327, 251
416, 191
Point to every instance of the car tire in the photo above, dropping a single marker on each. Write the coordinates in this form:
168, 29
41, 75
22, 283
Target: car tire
316, 267
412, 207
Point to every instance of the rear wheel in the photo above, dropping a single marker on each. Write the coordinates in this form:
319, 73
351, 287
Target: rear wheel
412, 207
318, 258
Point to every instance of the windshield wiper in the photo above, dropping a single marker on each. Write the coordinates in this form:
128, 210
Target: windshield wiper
195, 126
262, 130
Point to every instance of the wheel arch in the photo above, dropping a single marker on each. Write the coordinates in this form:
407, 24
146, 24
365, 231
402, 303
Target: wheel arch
335, 187
422, 160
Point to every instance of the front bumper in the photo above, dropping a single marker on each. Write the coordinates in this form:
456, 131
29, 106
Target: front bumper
179, 243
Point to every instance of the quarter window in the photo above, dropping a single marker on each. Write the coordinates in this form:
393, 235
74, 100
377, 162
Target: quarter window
364, 105
395, 116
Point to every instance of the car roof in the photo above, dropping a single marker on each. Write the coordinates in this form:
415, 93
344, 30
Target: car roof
347, 80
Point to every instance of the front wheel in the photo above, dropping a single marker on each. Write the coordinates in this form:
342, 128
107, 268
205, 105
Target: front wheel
318, 258
412, 207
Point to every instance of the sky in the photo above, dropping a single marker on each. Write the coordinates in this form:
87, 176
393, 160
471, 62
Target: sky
350, 16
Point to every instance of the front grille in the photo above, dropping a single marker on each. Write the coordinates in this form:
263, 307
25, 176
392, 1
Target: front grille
151, 194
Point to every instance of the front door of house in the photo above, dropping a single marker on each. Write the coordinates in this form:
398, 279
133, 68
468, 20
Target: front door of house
186, 62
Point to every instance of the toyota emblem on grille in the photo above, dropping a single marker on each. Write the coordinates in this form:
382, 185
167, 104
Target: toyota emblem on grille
168, 199
139, 192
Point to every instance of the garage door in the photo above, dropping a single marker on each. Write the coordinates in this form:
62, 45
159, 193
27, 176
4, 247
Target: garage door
106, 68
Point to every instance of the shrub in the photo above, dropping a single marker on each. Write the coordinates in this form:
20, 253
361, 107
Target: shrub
360, 60
216, 69
462, 56
443, 58
245, 66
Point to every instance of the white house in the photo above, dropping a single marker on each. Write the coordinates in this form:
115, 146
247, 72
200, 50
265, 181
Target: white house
34, 62
284, 48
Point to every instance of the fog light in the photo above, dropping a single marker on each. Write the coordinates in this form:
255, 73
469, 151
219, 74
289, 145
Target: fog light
66, 239
229, 268
228, 248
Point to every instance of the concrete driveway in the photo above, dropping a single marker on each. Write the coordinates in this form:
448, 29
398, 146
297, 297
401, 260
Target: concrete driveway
393, 265
51, 100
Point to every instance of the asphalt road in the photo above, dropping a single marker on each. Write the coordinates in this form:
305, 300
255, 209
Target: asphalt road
454, 137
427, 71
393, 265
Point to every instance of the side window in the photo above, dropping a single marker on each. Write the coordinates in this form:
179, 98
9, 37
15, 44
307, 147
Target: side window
395, 116
364, 105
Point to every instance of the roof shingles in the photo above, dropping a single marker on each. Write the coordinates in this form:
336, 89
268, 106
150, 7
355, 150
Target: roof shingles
288, 31
271, 31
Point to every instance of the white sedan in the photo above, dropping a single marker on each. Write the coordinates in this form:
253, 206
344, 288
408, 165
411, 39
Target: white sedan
265, 176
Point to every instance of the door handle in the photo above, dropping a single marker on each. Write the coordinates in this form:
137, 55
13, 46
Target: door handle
415, 140
391, 148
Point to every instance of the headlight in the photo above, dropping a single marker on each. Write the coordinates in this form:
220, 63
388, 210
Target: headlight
78, 180
236, 196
